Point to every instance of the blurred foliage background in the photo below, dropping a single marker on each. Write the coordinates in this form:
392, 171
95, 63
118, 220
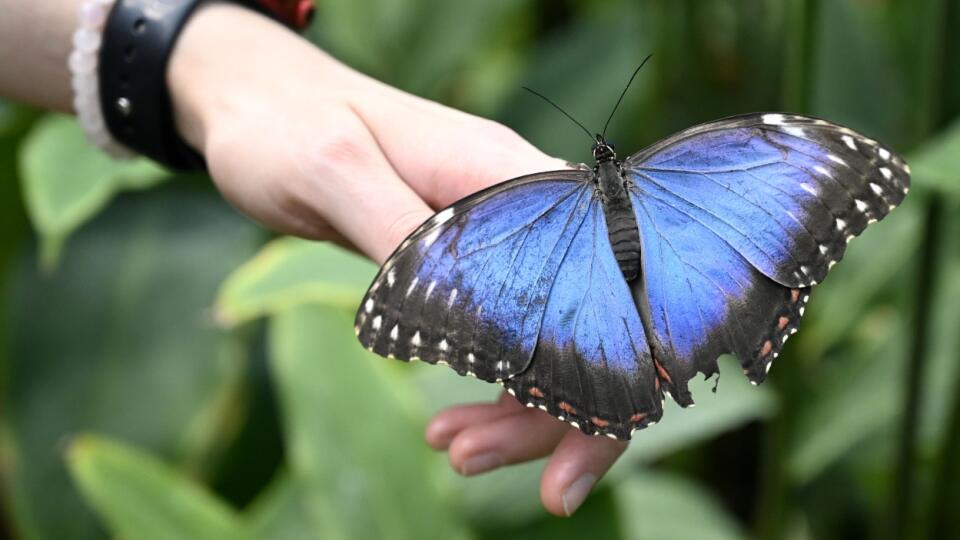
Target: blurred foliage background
169, 370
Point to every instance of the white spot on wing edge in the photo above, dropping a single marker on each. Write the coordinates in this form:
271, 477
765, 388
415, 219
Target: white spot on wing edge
391, 278
773, 119
413, 284
886, 173
377, 321
823, 249
471, 358
848, 140
443, 216
453, 297
444, 345
430, 288
368, 305
876, 188
822, 170
795, 131
861, 206
415, 340
810, 189
431, 238
884, 154
836, 159
841, 224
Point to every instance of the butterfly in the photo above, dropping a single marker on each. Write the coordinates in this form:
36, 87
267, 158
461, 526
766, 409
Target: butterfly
594, 293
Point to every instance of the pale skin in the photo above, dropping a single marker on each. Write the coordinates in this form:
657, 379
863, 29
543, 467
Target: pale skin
307, 146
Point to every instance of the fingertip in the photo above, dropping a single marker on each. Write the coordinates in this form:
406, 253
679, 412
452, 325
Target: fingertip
574, 469
439, 432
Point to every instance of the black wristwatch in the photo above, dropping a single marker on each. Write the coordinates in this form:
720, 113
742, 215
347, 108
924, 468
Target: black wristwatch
138, 38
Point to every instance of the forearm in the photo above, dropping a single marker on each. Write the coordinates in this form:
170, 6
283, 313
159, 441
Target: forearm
35, 41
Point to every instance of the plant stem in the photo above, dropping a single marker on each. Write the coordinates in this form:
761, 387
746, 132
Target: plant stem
902, 495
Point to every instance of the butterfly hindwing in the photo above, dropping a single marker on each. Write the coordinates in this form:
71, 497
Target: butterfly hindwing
701, 298
592, 365
469, 287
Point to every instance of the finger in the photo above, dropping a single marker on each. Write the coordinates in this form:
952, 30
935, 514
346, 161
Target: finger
578, 462
519, 437
447, 424
349, 181
468, 153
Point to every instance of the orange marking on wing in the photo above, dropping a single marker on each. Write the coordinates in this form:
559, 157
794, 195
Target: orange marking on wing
794, 295
783, 323
566, 407
638, 417
599, 422
662, 372
767, 347
535, 392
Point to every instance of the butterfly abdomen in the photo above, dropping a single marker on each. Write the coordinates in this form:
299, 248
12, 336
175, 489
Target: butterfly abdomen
621, 221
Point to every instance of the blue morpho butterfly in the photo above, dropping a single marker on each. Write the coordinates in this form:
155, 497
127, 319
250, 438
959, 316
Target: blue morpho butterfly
593, 292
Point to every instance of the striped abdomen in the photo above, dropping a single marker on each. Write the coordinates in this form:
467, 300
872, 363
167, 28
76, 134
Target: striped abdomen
624, 237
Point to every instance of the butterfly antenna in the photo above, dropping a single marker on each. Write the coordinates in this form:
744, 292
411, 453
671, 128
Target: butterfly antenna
545, 98
604, 133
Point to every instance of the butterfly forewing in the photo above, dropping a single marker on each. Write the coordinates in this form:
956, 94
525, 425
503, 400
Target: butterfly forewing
469, 287
786, 191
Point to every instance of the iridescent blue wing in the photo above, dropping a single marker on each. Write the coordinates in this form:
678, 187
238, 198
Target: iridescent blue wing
592, 365
738, 218
518, 284
469, 287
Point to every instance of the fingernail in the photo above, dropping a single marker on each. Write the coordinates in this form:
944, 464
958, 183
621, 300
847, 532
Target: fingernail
575, 494
481, 463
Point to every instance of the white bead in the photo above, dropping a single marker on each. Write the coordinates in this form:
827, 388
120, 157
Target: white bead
82, 63
86, 40
83, 60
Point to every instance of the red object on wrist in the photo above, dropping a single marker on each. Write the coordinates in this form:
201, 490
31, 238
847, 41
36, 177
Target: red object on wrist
295, 13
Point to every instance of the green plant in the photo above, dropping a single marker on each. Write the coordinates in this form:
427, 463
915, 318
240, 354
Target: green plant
168, 371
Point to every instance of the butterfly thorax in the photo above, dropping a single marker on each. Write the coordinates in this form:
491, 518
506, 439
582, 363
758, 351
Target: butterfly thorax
618, 211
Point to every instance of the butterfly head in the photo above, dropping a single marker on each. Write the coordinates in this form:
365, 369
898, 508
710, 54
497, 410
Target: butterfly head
603, 151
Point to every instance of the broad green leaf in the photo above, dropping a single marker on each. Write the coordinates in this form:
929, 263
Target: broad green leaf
936, 164
66, 181
140, 497
859, 394
354, 433
289, 272
121, 342
415, 45
735, 403
280, 512
659, 506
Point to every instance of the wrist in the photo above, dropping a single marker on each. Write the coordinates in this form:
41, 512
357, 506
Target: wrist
230, 60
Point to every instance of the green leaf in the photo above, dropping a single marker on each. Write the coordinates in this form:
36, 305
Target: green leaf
936, 164
121, 342
859, 394
289, 272
354, 433
66, 181
659, 506
280, 512
140, 497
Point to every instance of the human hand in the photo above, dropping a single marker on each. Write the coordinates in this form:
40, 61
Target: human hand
309, 147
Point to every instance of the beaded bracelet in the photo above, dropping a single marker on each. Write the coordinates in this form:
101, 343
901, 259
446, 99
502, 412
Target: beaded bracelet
83, 63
